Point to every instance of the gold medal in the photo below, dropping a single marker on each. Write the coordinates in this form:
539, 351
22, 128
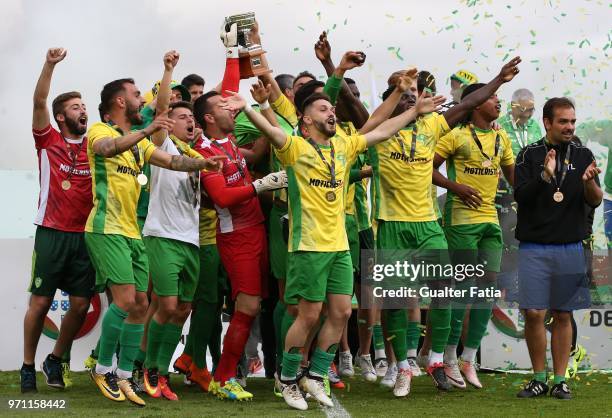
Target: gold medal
330, 196
558, 196
142, 179
487, 163
66, 185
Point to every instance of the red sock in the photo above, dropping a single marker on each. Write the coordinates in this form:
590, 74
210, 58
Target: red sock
233, 346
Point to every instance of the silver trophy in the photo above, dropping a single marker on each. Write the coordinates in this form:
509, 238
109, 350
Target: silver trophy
252, 63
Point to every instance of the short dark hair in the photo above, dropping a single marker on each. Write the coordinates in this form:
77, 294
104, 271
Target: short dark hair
192, 80
102, 111
58, 103
466, 91
284, 81
387, 92
110, 91
304, 92
425, 79
313, 98
548, 112
349, 80
201, 106
303, 74
181, 104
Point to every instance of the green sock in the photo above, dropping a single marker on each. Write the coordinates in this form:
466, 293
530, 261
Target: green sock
140, 356
131, 335
456, 324
214, 342
539, 376
413, 332
378, 337
170, 338
277, 317
440, 328
291, 364
112, 325
66, 355
204, 321
188, 350
320, 362
558, 379
154, 341
396, 329
480, 314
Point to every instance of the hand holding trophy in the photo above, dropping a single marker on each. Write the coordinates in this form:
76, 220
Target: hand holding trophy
237, 31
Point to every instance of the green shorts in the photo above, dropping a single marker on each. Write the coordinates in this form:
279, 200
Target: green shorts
415, 242
476, 243
277, 244
174, 267
211, 281
118, 260
352, 233
312, 275
60, 261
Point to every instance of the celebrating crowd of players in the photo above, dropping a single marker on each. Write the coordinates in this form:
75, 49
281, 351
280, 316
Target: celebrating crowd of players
178, 197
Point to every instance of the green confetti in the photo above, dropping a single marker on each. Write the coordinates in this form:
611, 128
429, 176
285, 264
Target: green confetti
334, 27
505, 57
455, 11
571, 43
498, 24
301, 28
585, 41
532, 32
296, 49
476, 17
345, 20
453, 45
449, 27
584, 74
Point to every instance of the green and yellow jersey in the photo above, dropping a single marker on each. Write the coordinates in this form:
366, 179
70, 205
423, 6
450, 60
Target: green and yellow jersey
114, 185
316, 205
465, 164
402, 175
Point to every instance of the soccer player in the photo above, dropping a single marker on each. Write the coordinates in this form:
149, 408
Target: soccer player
116, 157
407, 220
195, 85
171, 238
60, 257
241, 237
319, 265
557, 186
474, 153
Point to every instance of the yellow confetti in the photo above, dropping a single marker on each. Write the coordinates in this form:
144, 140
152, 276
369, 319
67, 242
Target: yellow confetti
391, 337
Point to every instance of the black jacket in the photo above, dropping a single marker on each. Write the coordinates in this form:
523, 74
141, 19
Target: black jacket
539, 218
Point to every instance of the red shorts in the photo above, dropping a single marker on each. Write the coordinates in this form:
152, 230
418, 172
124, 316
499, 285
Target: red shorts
244, 254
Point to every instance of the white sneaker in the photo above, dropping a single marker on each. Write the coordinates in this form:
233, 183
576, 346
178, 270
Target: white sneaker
316, 387
451, 369
381, 366
364, 362
402, 384
390, 377
345, 364
422, 361
293, 396
415, 370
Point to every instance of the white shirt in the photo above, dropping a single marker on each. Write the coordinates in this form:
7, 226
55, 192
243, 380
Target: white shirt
174, 202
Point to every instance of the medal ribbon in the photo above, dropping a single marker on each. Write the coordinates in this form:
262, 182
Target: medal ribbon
232, 158
562, 166
74, 157
475, 137
332, 166
412, 144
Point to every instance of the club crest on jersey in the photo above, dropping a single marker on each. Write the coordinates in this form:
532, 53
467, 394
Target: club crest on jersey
37, 282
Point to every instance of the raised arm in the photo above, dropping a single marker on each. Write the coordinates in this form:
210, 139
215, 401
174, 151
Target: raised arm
40, 116
109, 147
457, 113
391, 126
387, 107
266, 78
163, 96
276, 135
183, 163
